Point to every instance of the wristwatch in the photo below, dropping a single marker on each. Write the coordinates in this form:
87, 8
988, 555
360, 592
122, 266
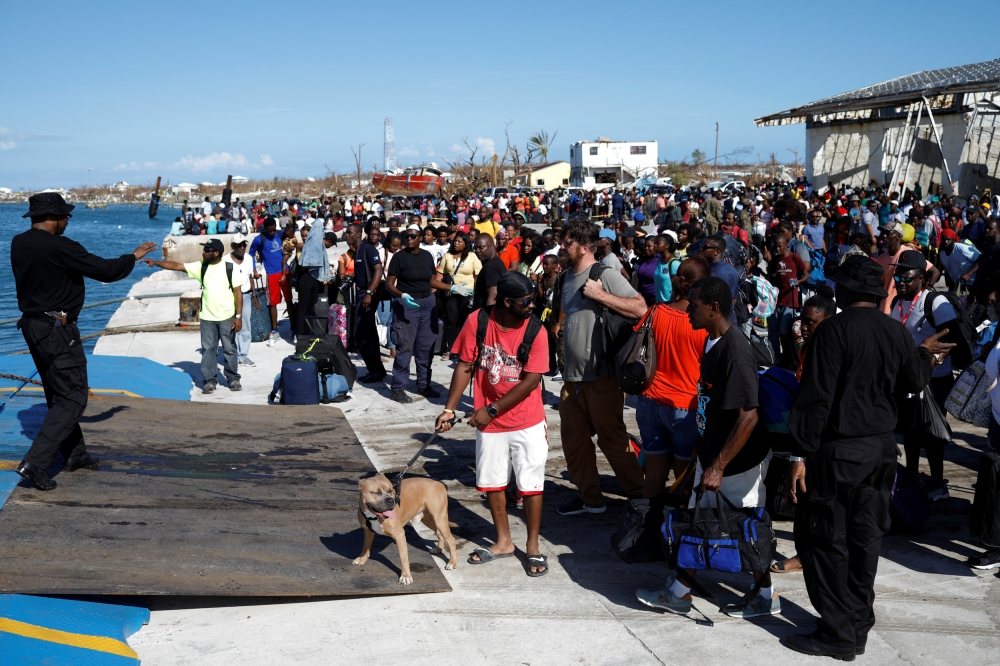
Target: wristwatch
492, 411
369, 292
239, 316
796, 459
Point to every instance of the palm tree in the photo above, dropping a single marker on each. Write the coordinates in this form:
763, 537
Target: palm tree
539, 142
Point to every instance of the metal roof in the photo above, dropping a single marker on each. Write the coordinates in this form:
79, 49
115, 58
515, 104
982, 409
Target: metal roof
979, 77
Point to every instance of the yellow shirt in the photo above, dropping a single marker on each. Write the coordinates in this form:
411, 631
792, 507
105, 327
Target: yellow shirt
488, 227
467, 272
217, 300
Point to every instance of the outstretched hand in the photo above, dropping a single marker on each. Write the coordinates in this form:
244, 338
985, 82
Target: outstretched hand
934, 345
143, 250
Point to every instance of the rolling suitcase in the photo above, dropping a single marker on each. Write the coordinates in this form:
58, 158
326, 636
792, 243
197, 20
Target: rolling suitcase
314, 326
337, 322
984, 523
260, 316
299, 385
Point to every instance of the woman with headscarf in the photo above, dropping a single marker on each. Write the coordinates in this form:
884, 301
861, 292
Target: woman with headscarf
313, 270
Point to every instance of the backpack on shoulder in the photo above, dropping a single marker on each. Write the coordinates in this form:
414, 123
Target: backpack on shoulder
616, 330
523, 349
964, 338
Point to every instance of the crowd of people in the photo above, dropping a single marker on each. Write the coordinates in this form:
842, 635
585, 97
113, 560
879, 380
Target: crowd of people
838, 285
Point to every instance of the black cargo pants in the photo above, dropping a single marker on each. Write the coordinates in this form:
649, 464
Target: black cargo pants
839, 526
62, 368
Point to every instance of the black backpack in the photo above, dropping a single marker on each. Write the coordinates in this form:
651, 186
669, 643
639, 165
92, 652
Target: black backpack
964, 338
616, 330
229, 273
523, 350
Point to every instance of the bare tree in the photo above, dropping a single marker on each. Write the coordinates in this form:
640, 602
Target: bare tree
512, 152
357, 160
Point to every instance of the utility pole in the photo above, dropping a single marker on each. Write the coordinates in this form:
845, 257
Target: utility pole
715, 162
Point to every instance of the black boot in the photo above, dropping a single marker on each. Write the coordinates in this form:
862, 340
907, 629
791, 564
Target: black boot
82, 461
38, 477
811, 644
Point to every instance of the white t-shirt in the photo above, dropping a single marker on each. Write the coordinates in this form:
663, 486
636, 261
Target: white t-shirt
919, 327
437, 251
709, 343
242, 272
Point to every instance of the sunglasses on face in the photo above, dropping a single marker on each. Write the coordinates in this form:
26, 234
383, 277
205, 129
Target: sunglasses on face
903, 279
523, 303
413, 235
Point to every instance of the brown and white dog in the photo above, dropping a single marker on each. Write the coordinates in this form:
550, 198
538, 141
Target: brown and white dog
420, 499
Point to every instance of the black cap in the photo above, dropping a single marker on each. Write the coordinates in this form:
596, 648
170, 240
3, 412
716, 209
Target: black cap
48, 203
860, 273
214, 244
514, 285
911, 260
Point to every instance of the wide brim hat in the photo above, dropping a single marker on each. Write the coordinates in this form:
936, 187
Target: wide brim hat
48, 203
860, 273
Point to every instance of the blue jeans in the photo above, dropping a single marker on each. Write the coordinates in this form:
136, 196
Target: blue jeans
665, 429
243, 337
414, 332
778, 324
212, 332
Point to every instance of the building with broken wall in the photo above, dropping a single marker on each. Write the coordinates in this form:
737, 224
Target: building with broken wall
937, 127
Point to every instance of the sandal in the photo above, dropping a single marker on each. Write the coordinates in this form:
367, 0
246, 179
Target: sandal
538, 561
787, 566
486, 555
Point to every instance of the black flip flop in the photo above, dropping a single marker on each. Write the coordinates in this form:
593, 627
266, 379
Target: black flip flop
538, 561
486, 556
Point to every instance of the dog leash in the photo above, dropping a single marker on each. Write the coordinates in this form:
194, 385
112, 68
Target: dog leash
397, 483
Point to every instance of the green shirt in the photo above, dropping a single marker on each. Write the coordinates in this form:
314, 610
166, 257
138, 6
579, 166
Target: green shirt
217, 300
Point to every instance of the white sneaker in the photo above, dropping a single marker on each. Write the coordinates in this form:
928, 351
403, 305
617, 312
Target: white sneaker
248, 363
272, 339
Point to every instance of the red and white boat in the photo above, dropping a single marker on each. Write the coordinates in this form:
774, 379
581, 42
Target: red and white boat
424, 179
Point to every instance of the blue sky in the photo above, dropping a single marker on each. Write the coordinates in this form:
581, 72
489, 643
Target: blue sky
195, 91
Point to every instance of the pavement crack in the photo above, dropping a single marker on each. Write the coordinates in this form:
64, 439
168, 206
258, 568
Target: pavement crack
625, 627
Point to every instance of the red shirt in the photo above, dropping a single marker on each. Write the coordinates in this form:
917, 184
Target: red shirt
499, 371
679, 349
784, 269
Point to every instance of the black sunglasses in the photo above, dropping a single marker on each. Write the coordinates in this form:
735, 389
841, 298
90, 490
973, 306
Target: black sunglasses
413, 235
523, 303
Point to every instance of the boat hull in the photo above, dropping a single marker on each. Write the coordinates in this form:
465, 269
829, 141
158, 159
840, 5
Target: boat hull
407, 184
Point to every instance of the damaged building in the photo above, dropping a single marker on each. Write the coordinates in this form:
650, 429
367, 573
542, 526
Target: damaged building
936, 127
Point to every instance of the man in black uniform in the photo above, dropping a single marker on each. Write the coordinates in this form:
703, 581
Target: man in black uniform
844, 467
48, 272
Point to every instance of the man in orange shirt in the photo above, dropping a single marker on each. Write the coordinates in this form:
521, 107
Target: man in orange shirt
507, 252
667, 410
894, 248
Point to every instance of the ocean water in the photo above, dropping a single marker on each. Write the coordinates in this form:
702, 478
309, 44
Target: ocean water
107, 232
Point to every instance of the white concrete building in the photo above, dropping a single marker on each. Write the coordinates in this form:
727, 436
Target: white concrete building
929, 128
607, 162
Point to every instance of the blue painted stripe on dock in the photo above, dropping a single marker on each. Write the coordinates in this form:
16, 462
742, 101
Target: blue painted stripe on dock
63, 631
7, 482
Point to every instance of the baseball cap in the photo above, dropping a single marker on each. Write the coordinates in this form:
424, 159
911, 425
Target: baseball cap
214, 244
891, 227
413, 227
911, 260
239, 239
608, 233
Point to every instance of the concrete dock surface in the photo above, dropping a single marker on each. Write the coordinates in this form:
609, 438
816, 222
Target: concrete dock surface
931, 607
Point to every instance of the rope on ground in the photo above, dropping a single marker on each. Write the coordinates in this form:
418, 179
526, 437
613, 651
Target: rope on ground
162, 327
7, 322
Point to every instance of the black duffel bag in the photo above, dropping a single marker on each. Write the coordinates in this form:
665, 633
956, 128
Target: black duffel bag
330, 355
637, 539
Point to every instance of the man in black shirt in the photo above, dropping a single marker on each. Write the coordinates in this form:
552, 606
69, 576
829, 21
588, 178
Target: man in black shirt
727, 414
844, 464
48, 273
367, 277
485, 293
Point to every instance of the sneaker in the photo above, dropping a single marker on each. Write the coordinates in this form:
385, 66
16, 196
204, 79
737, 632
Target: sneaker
273, 339
758, 607
250, 364
208, 388
239, 362
235, 385
988, 560
937, 491
576, 507
660, 597
401, 397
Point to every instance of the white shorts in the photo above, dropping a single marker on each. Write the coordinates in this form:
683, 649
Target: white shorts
744, 490
523, 451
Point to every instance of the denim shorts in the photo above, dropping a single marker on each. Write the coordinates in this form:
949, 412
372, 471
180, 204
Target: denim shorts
665, 429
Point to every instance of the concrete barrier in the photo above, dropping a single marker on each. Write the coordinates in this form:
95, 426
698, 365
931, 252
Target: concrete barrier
185, 249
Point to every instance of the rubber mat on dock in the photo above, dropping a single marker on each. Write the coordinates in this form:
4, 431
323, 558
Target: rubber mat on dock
207, 500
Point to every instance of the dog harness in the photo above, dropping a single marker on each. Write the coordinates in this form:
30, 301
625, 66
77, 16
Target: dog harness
372, 523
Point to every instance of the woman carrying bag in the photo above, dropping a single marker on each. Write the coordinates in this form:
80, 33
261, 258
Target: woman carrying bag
459, 268
313, 274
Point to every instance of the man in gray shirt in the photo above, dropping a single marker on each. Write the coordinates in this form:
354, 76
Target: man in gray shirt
591, 402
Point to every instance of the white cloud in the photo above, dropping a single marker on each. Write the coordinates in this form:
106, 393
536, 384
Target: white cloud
135, 166
409, 151
487, 145
210, 162
266, 160
6, 139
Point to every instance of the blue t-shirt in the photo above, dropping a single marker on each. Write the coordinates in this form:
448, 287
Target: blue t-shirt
725, 271
270, 251
661, 279
814, 234
211, 226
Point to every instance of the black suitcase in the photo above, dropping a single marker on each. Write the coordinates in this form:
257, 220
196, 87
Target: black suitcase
984, 523
330, 355
314, 326
299, 382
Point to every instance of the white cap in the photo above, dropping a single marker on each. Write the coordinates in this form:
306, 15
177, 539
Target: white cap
413, 227
239, 238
